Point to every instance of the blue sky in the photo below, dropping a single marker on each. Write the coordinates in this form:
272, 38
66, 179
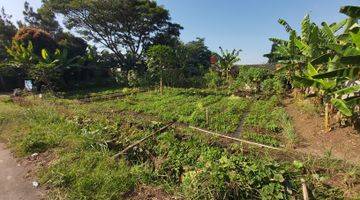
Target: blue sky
240, 24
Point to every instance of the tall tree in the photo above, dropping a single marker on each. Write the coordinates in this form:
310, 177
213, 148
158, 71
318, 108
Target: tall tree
43, 18
7, 32
125, 27
160, 59
194, 57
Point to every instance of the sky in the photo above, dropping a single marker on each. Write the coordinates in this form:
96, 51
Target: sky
234, 24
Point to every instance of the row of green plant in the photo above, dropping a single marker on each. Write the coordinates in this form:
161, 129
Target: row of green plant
211, 110
267, 122
215, 111
186, 165
325, 58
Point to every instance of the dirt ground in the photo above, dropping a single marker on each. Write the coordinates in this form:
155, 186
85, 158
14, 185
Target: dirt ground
13, 184
340, 143
150, 193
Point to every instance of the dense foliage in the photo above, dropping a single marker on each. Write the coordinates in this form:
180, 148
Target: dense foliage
111, 23
39, 38
184, 164
82, 131
325, 58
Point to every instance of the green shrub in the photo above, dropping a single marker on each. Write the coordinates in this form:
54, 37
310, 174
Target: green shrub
233, 177
272, 86
249, 78
213, 79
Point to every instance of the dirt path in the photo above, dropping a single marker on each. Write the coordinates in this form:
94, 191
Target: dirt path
13, 185
341, 143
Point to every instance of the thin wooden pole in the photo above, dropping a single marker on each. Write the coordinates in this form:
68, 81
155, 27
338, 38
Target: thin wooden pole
235, 139
326, 118
207, 116
117, 156
304, 189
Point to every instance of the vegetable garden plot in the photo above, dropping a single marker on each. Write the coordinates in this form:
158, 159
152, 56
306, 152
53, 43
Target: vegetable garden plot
224, 113
268, 123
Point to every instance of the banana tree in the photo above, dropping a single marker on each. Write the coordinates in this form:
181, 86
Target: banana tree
50, 68
294, 54
22, 57
227, 61
331, 90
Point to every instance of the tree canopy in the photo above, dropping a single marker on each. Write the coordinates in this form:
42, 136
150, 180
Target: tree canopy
124, 27
7, 32
43, 18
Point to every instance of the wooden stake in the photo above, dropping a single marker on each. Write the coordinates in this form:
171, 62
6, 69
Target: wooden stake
304, 189
118, 155
207, 116
235, 139
326, 120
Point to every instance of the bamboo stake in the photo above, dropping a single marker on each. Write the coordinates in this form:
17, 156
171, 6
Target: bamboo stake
304, 189
117, 156
235, 139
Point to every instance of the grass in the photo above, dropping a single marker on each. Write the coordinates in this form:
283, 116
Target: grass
185, 164
306, 106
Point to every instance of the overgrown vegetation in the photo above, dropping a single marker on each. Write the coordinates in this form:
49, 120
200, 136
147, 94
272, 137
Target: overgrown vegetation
326, 59
78, 127
184, 164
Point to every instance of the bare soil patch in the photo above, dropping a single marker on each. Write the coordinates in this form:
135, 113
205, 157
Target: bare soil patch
340, 143
150, 193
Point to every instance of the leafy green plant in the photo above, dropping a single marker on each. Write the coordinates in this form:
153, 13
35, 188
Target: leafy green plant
324, 59
227, 60
213, 79
271, 87
250, 78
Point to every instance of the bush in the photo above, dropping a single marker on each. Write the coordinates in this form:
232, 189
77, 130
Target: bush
213, 79
271, 87
233, 177
249, 79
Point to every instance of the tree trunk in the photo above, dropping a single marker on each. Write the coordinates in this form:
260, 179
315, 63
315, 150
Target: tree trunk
326, 118
161, 85
227, 76
2, 83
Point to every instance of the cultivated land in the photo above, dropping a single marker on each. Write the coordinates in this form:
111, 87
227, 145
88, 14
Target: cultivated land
78, 139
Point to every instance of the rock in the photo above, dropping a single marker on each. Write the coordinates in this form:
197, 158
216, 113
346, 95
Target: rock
35, 184
34, 155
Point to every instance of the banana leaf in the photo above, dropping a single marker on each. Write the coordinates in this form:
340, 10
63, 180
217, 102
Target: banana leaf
351, 11
286, 25
349, 72
348, 90
322, 59
352, 101
341, 106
